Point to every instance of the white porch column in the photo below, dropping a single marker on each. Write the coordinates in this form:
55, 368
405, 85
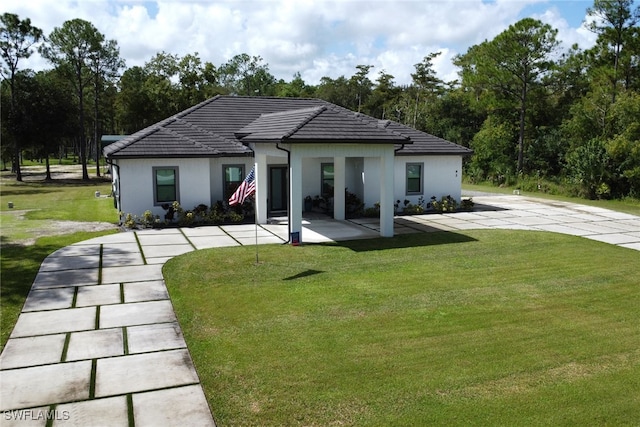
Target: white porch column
386, 193
261, 188
295, 195
339, 182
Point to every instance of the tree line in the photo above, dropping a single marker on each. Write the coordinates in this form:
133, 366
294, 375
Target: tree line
534, 114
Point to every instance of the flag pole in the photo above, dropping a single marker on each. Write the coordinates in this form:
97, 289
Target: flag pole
255, 207
255, 216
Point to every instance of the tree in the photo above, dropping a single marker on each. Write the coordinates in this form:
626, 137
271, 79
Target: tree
337, 91
510, 66
382, 97
296, 88
247, 75
425, 83
362, 84
615, 23
105, 63
70, 49
17, 38
134, 108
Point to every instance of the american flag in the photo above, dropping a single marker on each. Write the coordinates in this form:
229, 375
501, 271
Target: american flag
247, 188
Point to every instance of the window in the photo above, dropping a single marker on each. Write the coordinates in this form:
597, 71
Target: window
414, 178
233, 177
327, 180
165, 180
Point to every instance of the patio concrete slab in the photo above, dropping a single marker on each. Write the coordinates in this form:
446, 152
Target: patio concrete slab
135, 273
95, 344
110, 249
139, 313
189, 408
203, 232
77, 250
265, 240
32, 351
124, 258
98, 295
169, 250
55, 321
57, 279
32, 417
145, 291
148, 338
143, 372
595, 228
564, 229
94, 413
158, 260
49, 299
161, 239
634, 246
44, 385
206, 242
532, 220
56, 263
615, 238
238, 228
160, 231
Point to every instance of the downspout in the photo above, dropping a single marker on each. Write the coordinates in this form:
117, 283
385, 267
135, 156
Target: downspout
289, 198
114, 165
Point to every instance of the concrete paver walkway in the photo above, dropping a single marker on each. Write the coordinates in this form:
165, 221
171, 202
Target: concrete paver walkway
98, 343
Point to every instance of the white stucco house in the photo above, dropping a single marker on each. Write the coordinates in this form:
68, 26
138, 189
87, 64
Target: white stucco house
299, 147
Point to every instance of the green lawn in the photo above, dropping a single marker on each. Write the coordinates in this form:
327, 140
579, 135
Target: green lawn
28, 235
475, 328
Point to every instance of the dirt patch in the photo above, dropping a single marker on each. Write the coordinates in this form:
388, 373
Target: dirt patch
56, 228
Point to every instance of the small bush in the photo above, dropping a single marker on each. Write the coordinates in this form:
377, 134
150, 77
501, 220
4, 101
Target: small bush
446, 204
467, 204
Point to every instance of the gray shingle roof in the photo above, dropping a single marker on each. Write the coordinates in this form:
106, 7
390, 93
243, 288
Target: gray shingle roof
222, 125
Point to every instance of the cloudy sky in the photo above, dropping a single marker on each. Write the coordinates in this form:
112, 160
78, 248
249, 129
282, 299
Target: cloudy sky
316, 38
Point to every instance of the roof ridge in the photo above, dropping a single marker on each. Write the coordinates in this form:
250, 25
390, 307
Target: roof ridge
198, 106
206, 132
134, 137
368, 120
316, 112
193, 141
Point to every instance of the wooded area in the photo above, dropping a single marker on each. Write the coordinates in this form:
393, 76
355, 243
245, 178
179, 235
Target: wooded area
534, 114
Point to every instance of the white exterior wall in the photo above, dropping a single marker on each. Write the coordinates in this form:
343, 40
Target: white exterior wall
216, 176
137, 183
201, 180
442, 176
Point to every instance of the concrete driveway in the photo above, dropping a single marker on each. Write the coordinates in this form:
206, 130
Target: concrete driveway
98, 343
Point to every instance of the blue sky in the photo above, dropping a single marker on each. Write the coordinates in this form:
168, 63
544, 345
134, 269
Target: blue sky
314, 37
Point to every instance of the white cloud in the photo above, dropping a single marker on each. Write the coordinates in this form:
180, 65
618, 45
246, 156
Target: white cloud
317, 38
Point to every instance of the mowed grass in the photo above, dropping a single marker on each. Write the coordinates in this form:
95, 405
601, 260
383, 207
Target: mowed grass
484, 327
30, 231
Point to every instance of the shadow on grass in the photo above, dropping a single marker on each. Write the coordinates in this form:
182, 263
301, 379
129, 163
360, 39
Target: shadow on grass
406, 241
304, 274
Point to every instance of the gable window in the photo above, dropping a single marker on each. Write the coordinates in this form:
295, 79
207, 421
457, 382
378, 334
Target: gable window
414, 178
165, 183
233, 177
327, 179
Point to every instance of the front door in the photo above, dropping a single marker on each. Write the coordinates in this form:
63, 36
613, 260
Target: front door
278, 189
